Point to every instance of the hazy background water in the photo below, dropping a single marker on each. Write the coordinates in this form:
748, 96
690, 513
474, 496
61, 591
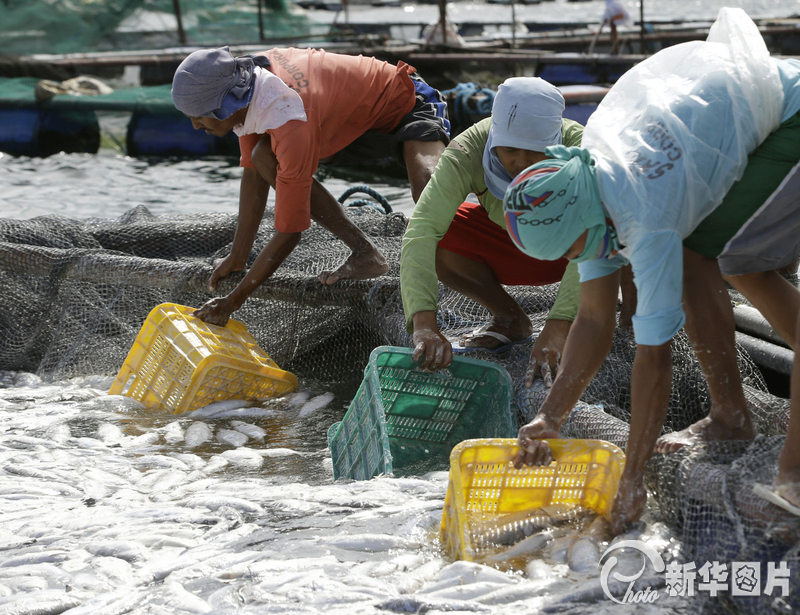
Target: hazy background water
105, 185
556, 11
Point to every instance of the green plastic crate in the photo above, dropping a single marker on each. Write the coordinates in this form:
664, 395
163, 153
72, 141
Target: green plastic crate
404, 420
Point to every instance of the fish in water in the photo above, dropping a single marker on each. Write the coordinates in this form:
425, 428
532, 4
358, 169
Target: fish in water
584, 555
524, 548
510, 529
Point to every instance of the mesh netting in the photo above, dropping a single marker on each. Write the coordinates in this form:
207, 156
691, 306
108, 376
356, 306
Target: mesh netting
78, 26
76, 294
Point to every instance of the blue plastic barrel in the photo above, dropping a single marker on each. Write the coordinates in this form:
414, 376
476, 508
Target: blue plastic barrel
172, 134
43, 132
581, 73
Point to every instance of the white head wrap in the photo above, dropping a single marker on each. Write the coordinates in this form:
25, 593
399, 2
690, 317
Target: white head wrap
526, 115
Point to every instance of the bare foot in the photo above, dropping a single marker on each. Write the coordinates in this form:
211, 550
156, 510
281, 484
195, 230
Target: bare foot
358, 267
788, 484
704, 430
628, 505
516, 329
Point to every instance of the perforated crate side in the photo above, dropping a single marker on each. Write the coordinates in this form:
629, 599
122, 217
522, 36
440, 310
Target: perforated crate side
429, 413
218, 378
359, 445
454, 530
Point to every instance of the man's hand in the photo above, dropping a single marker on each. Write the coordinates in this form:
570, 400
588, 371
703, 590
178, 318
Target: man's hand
216, 311
533, 451
434, 349
429, 344
223, 268
546, 352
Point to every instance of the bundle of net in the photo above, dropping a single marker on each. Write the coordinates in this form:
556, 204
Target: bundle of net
77, 293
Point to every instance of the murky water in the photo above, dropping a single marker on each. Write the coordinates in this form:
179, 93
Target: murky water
106, 185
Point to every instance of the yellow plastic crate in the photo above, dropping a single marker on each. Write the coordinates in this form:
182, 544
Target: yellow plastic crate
180, 363
484, 484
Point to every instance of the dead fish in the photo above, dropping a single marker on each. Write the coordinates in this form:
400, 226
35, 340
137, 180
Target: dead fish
558, 550
109, 434
252, 431
584, 554
530, 545
320, 401
126, 550
231, 437
220, 408
173, 432
42, 602
244, 457
196, 434
510, 529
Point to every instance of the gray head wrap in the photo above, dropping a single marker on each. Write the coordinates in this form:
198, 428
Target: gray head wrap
206, 77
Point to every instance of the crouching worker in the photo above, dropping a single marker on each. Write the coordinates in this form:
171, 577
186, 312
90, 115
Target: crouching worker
466, 246
703, 176
292, 109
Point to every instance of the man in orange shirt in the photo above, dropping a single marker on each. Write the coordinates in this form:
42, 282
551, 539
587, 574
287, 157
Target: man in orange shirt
294, 108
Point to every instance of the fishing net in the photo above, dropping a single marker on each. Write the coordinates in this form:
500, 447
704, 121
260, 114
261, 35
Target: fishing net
78, 26
76, 294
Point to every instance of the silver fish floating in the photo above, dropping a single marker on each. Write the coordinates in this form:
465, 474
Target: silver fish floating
524, 548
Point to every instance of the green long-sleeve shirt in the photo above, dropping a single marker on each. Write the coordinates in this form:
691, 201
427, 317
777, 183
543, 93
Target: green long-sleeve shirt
459, 173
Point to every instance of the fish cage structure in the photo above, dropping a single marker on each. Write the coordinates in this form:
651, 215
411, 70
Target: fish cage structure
76, 293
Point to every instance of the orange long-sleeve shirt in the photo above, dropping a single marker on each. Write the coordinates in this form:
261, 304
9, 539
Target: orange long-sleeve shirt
344, 97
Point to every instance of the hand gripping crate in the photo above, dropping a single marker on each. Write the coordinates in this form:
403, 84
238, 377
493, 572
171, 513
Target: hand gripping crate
181, 363
484, 485
403, 418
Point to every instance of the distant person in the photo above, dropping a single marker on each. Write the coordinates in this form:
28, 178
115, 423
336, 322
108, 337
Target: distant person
615, 14
701, 183
466, 246
292, 109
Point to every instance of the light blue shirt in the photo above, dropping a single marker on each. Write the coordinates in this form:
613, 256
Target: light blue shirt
789, 70
655, 235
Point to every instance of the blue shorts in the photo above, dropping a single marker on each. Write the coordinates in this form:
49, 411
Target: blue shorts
427, 121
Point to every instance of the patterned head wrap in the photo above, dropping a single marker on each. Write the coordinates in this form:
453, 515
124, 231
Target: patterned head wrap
551, 203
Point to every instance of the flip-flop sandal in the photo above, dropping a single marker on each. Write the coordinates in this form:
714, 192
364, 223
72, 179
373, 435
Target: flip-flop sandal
505, 343
772, 494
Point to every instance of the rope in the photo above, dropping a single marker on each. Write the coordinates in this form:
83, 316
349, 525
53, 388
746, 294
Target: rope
461, 95
361, 202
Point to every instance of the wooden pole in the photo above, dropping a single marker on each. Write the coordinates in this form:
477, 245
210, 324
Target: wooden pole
443, 19
513, 24
260, 22
641, 27
176, 4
